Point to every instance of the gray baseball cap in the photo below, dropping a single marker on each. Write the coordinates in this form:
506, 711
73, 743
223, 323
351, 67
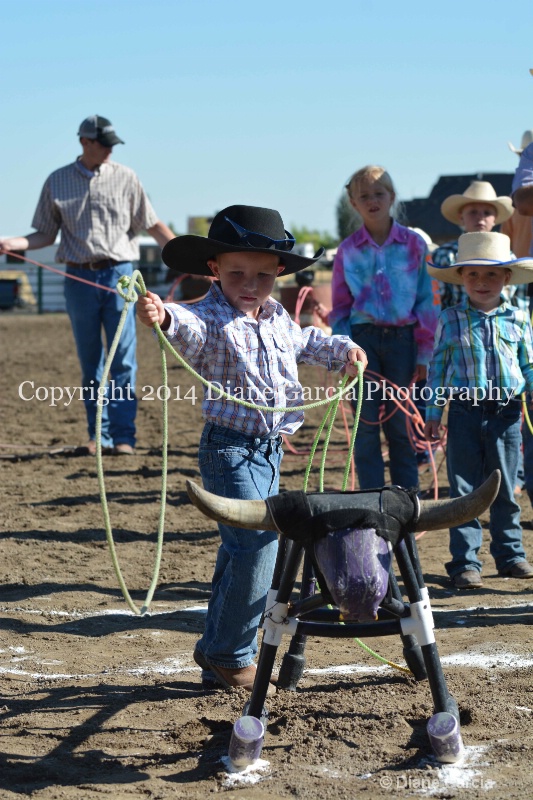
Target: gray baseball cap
101, 129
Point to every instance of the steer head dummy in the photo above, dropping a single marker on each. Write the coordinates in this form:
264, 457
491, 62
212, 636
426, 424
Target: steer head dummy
348, 535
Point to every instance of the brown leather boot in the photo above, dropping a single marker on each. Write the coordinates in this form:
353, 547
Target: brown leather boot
240, 678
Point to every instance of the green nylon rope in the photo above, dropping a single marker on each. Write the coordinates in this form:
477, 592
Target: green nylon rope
526, 412
130, 297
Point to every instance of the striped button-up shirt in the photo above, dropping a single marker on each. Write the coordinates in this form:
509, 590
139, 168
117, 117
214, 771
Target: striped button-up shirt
99, 213
489, 353
385, 285
252, 359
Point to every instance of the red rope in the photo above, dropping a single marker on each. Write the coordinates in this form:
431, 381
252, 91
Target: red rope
169, 298
60, 272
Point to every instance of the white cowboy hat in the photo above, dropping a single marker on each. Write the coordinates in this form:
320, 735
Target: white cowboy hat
483, 249
477, 192
527, 138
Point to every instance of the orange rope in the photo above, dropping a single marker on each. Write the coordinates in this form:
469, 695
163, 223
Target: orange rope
60, 272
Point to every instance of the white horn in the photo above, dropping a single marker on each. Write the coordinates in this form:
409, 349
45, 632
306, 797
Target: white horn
436, 514
253, 514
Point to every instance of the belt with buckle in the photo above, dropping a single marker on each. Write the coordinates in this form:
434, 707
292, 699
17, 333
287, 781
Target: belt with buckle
104, 263
490, 406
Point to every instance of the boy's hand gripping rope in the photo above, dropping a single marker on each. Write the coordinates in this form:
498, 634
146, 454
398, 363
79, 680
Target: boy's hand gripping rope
128, 287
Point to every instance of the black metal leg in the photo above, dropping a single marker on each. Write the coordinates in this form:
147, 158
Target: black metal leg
285, 574
407, 571
411, 571
412, 549
442, 699
293, 662
411, 649
265, 664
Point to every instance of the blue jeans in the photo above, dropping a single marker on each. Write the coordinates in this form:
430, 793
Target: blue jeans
391, 352
90, 309
480, 439
241, 467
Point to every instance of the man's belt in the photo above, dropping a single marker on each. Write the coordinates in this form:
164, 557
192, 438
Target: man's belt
104, 263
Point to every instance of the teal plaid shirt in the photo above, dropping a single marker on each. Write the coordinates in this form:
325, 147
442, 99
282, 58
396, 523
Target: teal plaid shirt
478, 350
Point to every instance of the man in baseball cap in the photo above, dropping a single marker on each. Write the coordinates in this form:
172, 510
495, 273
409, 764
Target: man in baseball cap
100, 207
101, 129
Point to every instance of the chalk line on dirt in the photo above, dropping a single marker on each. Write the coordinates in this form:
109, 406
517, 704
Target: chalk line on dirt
176, 666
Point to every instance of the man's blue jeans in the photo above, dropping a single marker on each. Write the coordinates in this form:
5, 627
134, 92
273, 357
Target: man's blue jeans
90, 309
241, 467
391, 352
481, 439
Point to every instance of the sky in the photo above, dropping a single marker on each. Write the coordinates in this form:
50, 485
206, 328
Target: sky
272, 103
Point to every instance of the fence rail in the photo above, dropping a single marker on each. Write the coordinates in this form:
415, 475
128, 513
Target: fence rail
29, 288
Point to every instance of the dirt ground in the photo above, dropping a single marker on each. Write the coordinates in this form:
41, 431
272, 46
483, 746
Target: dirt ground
98, 702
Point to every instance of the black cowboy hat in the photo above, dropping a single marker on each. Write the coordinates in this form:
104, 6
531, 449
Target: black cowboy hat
237, 229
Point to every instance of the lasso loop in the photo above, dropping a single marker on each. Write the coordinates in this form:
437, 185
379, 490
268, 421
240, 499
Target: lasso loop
129, 288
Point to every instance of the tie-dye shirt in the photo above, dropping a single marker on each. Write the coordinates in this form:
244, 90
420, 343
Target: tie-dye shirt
386, 285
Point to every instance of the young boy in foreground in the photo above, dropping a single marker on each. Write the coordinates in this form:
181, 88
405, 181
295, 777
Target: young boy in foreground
483, 349
243, 339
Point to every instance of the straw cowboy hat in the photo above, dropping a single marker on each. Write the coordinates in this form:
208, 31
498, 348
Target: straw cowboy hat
237, 229
484, 249
527, 138
477, 192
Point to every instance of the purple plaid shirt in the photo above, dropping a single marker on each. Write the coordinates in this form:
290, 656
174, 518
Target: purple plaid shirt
252, 359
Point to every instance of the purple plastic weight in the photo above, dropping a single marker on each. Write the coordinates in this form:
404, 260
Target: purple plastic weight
445, 737
246, 742
355, 565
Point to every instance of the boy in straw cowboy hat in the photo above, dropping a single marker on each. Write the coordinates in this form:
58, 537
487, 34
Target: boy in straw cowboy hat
482, 360
242, 339
477, 209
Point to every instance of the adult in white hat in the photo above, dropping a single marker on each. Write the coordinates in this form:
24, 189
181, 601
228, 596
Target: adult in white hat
527, 138
519, 228
522, 192
478, 209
